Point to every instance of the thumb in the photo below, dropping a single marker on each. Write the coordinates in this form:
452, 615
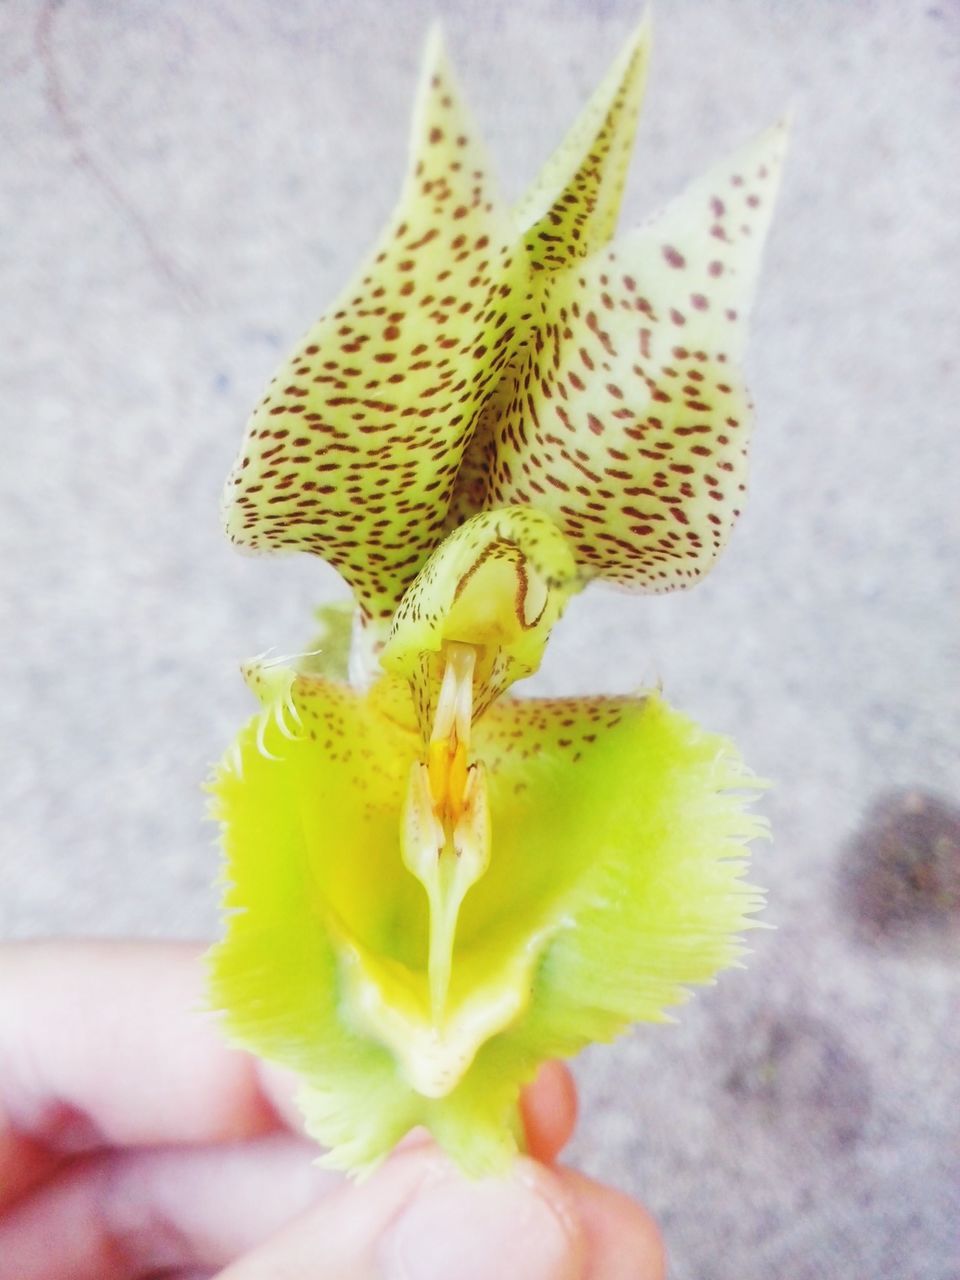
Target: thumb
524, 1224
418, 1219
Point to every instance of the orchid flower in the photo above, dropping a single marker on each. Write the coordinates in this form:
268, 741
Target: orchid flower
433, 885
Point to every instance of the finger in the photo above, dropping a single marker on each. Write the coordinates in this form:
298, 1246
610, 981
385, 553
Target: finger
549, 1110
71, 1016
419, 1219
120, 1215
192, 1274
104, 1044
23, 1163
622, 1240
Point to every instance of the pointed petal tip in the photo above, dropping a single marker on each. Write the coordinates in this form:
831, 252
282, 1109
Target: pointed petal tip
590, 163
772, 142
637, 42
642, 33
782, 129
786, 118
636, 46
434, 44
434, 62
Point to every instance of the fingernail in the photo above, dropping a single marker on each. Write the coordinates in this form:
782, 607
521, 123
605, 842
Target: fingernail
493, 1229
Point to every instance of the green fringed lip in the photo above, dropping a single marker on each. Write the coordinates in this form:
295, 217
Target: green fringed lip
615, 880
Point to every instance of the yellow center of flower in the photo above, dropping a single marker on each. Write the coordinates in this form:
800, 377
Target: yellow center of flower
448, 750
445, 838
447, 770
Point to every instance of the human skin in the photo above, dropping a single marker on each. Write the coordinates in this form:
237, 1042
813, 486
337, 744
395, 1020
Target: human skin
133, 1143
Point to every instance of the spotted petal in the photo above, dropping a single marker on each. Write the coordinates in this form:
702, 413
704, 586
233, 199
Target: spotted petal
571, 209
614, 880
625, 417
353, 451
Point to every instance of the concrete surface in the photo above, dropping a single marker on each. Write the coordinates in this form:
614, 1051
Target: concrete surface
185, 185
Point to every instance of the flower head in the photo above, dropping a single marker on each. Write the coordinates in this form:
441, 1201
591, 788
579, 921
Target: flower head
433, 886
483, 357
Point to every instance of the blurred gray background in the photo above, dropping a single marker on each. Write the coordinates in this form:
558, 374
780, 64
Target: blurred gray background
185, 186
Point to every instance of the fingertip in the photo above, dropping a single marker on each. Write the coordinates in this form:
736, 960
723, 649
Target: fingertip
549, 1111
523, 1224
102, 1043
623, 1241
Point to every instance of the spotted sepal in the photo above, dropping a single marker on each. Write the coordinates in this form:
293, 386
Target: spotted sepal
353, 451
571, 209
626, 417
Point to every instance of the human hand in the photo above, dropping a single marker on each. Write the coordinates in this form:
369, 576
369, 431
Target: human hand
133, 1143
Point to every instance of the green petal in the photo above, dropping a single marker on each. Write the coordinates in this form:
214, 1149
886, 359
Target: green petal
353, 452
618, 832
571, 209
309, 813
626, 418
323, 967
499, 582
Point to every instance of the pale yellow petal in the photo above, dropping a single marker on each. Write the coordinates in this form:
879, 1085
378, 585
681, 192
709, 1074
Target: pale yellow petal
571, 209
625, 417
353, 451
